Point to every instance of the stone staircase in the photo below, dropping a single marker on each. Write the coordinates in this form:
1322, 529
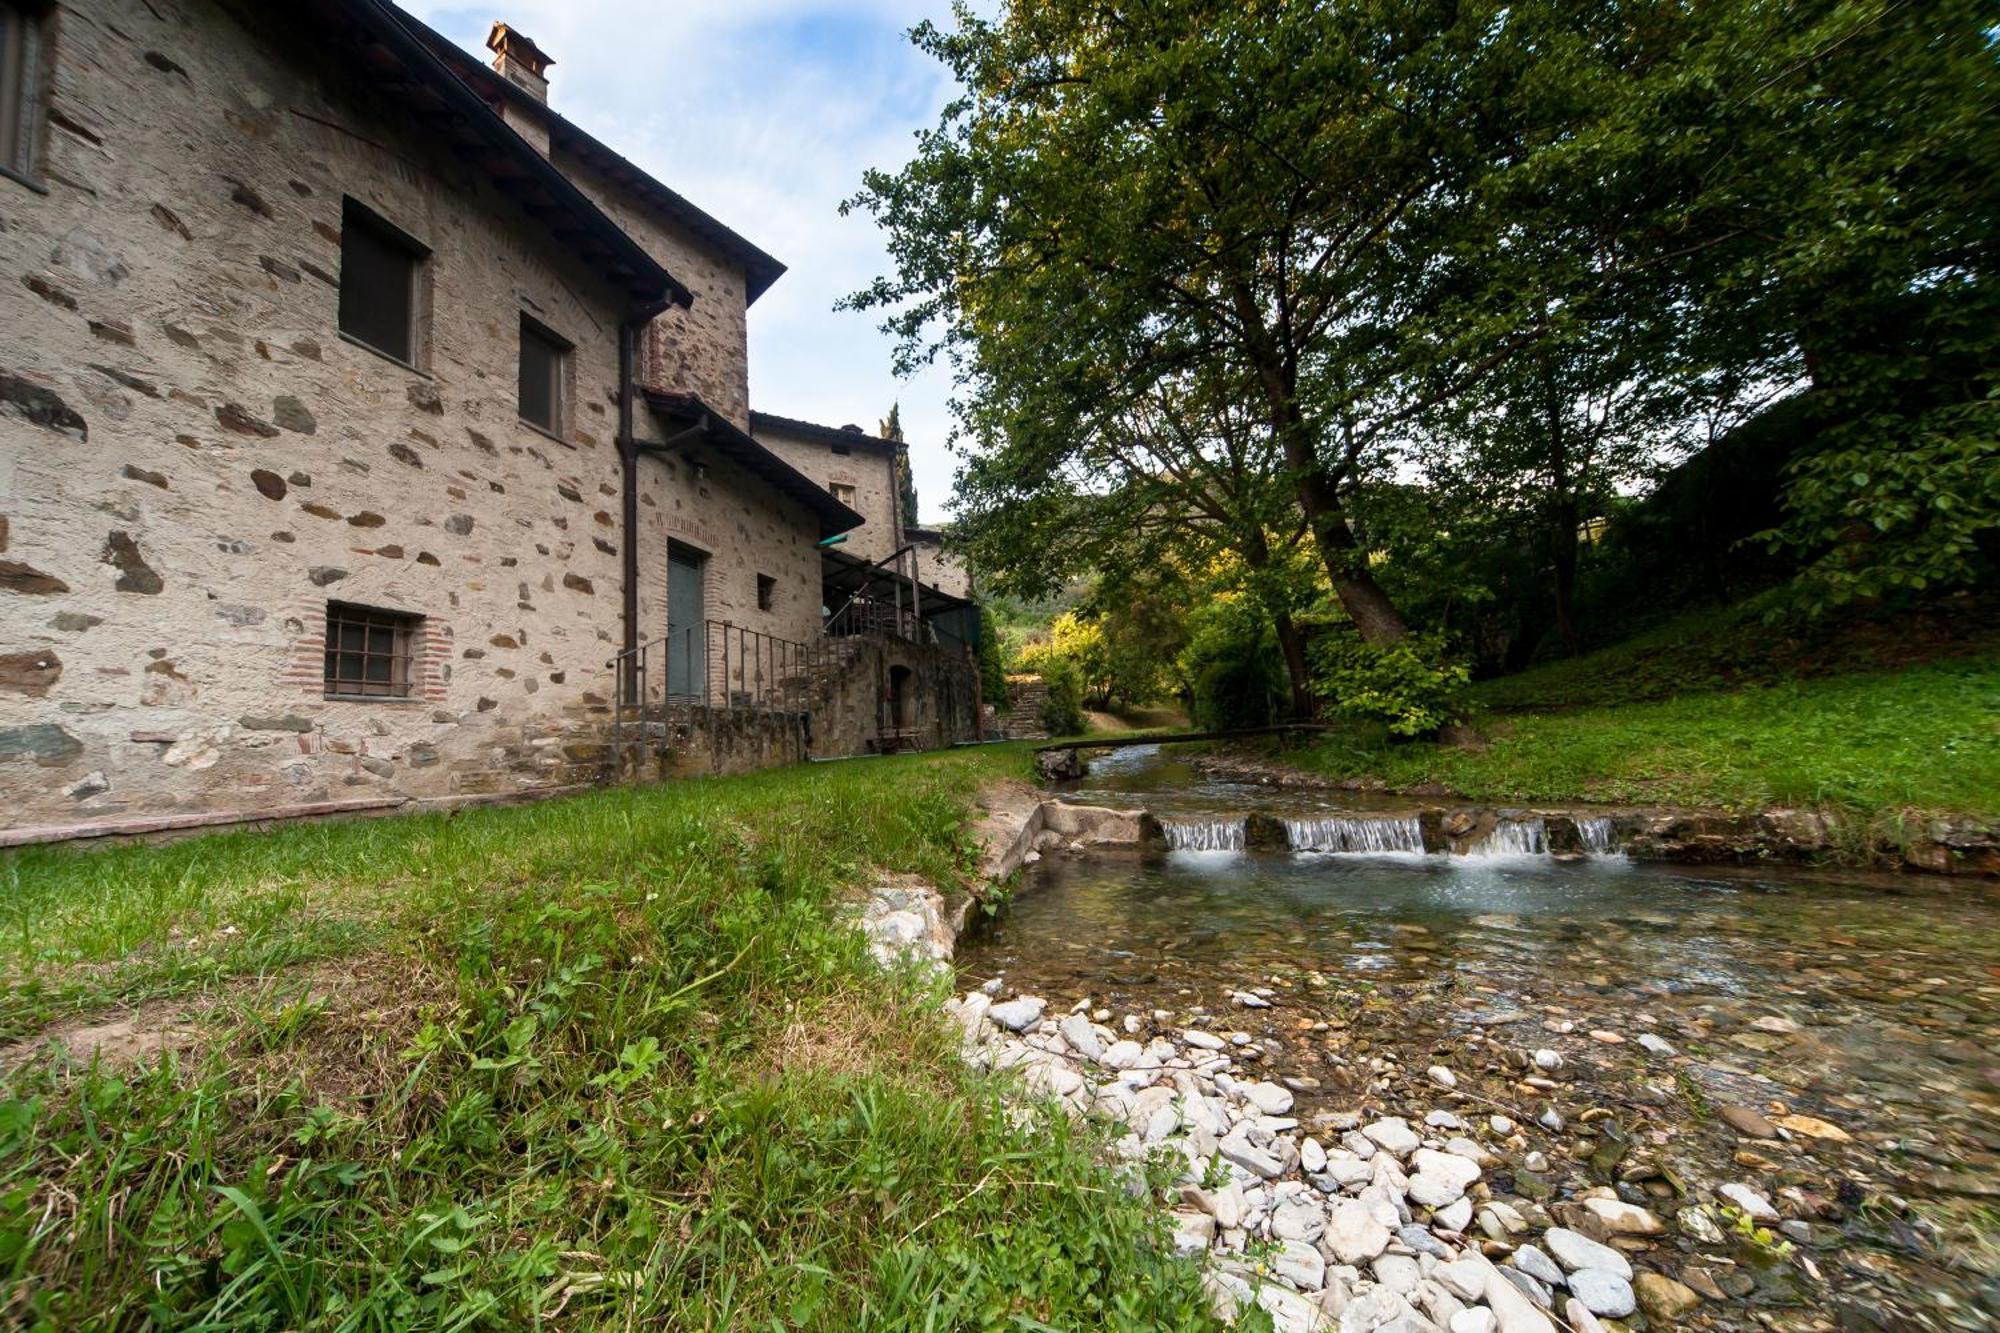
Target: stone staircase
1022, 718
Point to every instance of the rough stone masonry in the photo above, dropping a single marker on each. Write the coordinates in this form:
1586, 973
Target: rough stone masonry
195, 462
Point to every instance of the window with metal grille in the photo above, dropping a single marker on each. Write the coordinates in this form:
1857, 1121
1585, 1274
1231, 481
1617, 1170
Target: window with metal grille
543, 358
23, 28
370, 652
842, 492
767, 591
381, 304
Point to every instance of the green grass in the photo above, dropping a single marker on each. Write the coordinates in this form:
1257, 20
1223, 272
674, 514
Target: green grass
1870, 744
607, 1062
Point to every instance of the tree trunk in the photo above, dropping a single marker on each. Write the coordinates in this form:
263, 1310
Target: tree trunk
1563, 544
1361, 597
1293, 644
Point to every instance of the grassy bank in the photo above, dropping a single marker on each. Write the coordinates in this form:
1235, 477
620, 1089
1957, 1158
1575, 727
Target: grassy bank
602, 1062
1871, 744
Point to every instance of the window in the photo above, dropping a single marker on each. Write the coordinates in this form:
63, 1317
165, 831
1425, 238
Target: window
369, 652
842, 450
842, 492
544, 358
767, 591
381, 292
22, 30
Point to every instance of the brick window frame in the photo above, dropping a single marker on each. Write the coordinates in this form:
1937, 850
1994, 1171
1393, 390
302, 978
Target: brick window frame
371, 654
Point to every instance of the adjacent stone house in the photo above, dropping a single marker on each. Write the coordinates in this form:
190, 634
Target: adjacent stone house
356, 414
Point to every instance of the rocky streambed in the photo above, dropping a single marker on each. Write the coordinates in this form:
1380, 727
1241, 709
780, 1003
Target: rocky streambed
1513, 1091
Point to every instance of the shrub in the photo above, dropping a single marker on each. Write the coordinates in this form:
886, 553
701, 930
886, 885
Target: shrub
1413, 685
1062, 712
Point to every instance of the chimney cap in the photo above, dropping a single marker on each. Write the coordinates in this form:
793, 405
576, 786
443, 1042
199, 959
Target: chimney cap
514, 44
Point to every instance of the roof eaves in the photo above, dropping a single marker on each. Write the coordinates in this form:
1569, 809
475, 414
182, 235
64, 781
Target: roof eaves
825, 434
742, 448
405, 38
761, 269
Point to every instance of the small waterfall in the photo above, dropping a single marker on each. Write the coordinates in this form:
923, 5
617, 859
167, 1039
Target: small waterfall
1595, 835
1203, 835
1346, 833
1514, 837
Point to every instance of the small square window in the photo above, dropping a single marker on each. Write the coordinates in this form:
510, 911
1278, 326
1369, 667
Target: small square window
23, 30
842, 450
842, 492
544, 359
767, 591
381, 297
370, 652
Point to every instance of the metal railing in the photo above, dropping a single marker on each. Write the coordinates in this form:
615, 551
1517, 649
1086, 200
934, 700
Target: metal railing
870, 615
718, 665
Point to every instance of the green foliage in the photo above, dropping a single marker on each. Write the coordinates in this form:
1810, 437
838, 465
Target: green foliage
992, 660
604, 1062
1232, 664
1412, 686
1869, 746
1062, 710
1895, 507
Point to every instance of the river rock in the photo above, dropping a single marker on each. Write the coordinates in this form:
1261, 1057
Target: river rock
1398, 1272
1574, 1251
1627, 1219
1353, 1236
1206, 1041
1657, 1045
1603, 1293
1580, 1319
1754, 1205
1453, 1170
1538, 1266
1548, 1060
1298, 1219
1394, 1134
1746, 1122
1018, 1015
1443, 1077
1269, 1098
1511, 1308
1082, 1038
1662, 1298
1312, 1157
1122, 1055
1473, 1319
1465, 1279
1194, 1232
1299, 1263
1454, 1216
1251, 1158
1291, 1312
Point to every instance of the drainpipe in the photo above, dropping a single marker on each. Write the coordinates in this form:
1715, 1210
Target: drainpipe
628, 454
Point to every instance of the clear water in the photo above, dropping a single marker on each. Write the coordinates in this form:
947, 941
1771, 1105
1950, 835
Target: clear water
1869, 1002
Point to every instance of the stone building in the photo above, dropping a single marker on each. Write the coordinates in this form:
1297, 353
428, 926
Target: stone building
364, 425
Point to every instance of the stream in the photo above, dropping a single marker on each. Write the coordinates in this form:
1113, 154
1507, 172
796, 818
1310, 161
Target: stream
1827, 1040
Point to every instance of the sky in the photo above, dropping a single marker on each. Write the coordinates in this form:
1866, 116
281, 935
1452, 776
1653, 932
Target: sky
764, 113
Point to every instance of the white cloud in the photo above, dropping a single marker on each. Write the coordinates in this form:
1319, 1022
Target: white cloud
764, 113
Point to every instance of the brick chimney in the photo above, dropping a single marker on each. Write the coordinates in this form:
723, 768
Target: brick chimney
518, 60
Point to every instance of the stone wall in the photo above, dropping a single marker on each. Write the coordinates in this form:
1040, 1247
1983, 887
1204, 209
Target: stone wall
193, 460
851, 703
869, 466
941, 569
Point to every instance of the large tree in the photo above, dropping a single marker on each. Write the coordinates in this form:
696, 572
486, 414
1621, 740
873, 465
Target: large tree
1271, 192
